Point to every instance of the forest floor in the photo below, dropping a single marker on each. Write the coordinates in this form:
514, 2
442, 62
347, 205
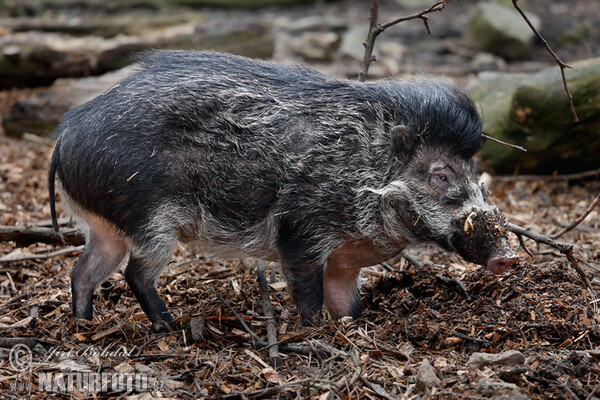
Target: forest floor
540, 309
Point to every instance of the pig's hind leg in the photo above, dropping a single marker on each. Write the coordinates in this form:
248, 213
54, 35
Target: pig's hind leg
104, 252
142, 272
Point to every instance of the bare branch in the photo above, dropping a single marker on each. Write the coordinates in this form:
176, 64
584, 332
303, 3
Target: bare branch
580, 219
560, 63
439, 6
514, 146
370, 42
375, 30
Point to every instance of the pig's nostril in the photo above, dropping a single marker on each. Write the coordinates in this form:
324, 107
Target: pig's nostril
499, 265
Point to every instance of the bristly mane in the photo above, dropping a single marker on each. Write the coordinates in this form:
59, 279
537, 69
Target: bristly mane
437, 112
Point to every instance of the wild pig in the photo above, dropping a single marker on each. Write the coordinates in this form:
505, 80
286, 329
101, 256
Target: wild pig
282, 163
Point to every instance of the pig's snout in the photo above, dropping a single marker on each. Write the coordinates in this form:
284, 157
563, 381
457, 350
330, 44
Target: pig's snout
499, 265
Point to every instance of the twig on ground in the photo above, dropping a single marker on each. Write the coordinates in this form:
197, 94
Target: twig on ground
387, 267
258, 342
560, 63
24, 236
483, 342
381, 392
375, 29
270, 391
523, 245
411, 260
566, 177
580, 219
514, 146
269, 313
455, 283
565, 248
8, 342
42, 256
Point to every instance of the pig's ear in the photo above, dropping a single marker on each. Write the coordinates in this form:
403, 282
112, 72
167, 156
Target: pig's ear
402, 141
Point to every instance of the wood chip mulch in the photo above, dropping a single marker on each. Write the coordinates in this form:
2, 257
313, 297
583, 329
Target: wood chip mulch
540, 308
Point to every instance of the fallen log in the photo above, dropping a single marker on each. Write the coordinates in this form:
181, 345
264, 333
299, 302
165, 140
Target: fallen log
24, 236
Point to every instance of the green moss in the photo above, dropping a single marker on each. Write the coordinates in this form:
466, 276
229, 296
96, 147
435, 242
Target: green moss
534, 111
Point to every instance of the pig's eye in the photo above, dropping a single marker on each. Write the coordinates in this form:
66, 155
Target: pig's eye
439, 181
441, 177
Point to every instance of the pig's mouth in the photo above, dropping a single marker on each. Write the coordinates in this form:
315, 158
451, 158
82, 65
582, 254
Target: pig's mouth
482, 237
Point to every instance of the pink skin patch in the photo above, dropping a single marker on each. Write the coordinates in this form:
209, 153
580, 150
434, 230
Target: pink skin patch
339, 290
340, 281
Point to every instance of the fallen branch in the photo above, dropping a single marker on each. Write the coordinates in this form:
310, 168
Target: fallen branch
580, 219
376, 29
560, 63
24, 236
269, 313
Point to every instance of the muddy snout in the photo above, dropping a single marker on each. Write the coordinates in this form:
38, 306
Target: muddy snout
482, 238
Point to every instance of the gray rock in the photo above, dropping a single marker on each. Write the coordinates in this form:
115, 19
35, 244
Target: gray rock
415, 3
486, 62
506, 358
319, 23
426, 377
532, 110
40, 113
501, 30
314, 45
351, 46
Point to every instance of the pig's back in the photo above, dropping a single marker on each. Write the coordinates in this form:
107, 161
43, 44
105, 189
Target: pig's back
231, 133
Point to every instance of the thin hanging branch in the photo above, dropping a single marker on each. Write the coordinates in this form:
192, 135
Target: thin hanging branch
562, 65
514, 146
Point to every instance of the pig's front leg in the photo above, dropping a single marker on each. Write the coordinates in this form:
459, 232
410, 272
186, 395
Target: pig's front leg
304, 275
341, 287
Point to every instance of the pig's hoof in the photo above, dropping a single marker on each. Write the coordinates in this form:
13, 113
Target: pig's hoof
311, 322
164, 326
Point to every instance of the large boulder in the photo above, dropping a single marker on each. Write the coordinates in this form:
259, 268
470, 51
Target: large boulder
500, 30
533, 110
38, 58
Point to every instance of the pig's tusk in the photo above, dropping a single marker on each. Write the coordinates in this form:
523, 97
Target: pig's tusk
468, 228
